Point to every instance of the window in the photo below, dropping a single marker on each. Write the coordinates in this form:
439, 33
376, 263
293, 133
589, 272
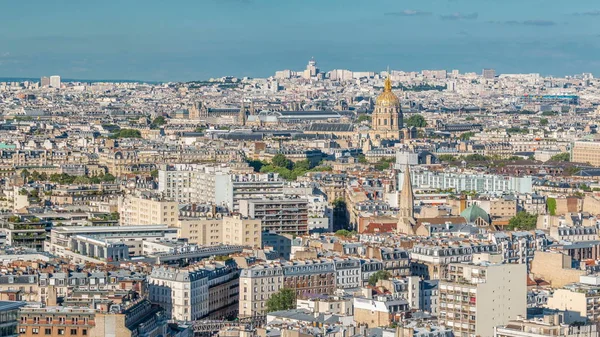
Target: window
48, 331
22, 330
35, 331
73, 332
61, 331
84, 332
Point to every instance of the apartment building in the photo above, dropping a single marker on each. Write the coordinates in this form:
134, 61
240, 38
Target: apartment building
257, 284
204, 290
238, 230
219, 185
581, 300
461, 182
431, 260
278, 215
547, 326
56, 321
311, 276
182, 292
148, 210
475, 298
586, 152
217, 230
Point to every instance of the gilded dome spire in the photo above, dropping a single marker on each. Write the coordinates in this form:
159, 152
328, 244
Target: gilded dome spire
387, 97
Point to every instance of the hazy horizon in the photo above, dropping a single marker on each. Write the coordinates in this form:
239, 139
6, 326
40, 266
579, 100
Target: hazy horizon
195, 40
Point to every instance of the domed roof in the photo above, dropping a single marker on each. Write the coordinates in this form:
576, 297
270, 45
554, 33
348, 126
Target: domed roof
473, 212
387, 97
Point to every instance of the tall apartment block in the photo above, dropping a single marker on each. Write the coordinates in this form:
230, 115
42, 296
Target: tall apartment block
475, 298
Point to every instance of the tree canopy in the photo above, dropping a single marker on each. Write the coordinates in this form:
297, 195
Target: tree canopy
565, 156
286, 168
379, 275
127, 133
345, 233
284, 299
363, 118
523, 221
416, 120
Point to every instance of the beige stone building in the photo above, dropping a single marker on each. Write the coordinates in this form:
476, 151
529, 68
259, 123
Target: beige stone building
152, 210
475, 298
549, 325
229, 230
241, 231
580, 301
257, 284
554, 268
203, 231
586, 152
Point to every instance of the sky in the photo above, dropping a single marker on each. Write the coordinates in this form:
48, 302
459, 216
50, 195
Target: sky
181, 40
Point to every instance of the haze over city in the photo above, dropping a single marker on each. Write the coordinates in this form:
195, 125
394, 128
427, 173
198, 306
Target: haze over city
300, 168
194, 40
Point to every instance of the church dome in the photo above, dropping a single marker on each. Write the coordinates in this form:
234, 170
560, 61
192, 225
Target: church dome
472, 213
387, 97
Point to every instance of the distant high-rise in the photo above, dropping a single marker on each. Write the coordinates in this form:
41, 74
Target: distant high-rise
45, 81
489, 74
55, 81
311, 69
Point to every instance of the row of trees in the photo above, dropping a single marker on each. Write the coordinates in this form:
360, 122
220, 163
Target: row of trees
286, 168
63, 178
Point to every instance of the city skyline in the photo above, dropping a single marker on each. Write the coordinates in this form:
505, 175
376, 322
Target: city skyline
191, 41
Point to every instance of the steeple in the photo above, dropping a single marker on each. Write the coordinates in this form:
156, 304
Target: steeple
242, 114
407, 198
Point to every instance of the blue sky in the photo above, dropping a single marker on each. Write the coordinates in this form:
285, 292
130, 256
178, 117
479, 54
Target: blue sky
197, 39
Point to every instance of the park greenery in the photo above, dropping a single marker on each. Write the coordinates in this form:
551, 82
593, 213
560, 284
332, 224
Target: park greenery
284, 299
286, 168
345, 233
126, 133
416, 120
158, 122
379, 275
543, 121
363, 118
63, 178
523, 221
551, 203
565, 156
384, 163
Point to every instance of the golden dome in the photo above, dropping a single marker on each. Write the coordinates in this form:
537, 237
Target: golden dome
387, 97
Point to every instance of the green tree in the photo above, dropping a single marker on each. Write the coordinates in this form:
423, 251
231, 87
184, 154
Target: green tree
416, 120
159, 121
379, 275
108, 178
302, 165
565, 156
470, 118
25, 174
543, 121
384, 164
345, 233
467, 135
549, 113
523, 221
280, 160
339, 203
256, 164
284, 299
363, 118
447, 158
127, 133
362, 159
476, 157
154, 173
